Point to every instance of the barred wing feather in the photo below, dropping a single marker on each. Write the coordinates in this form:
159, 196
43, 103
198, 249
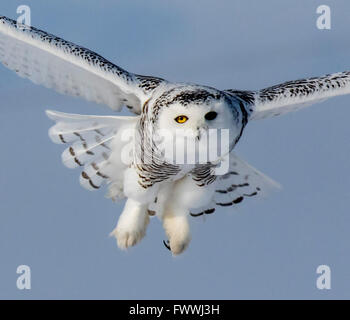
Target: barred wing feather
89, 140
241, 182
293, 95
71, 69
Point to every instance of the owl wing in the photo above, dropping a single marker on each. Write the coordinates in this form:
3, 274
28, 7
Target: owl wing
70, 69
293, 95
88, 141
241, 182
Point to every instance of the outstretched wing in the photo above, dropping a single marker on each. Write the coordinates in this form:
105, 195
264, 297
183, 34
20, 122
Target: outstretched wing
293, 95
242, 181
70, 69
90, 144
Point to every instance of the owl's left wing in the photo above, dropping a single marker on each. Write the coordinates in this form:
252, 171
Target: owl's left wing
71, 69
241, 182
293, 95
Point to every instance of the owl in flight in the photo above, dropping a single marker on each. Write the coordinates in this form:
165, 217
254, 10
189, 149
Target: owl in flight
150, 182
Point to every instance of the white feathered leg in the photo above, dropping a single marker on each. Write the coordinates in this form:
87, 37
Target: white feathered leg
133, 222
177, 228
185, 194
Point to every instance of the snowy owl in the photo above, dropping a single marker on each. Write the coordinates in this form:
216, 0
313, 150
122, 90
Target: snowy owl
144, 175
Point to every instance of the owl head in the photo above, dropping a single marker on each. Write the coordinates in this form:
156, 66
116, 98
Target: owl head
197, 112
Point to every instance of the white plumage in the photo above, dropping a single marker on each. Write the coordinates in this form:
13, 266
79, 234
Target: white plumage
134, 165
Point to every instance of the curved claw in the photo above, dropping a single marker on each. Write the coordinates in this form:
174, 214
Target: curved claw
166, 244
196, 214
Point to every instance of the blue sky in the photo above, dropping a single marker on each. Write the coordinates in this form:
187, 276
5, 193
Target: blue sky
264, 249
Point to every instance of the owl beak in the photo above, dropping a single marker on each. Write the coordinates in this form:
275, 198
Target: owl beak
198, 135
201, 130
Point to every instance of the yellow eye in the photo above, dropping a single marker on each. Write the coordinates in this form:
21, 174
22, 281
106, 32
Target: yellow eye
181, 119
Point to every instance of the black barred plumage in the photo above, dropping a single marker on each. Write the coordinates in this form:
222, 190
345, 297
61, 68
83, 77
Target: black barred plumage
86, 176
233, 187
240, 182
98, 171
148, 83
293, 95
246, 96
203, 174
89, 147
208, 211
148, 161
304, 87
226, 204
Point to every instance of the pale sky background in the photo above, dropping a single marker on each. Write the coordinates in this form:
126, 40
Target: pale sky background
266, 249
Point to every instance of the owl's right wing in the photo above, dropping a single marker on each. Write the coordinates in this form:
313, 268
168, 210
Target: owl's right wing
70, 69
90, 145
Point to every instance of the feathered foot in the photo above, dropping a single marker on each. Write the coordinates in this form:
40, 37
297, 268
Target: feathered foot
132, 224
177, 228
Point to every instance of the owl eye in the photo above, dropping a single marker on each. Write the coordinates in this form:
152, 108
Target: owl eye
181, 119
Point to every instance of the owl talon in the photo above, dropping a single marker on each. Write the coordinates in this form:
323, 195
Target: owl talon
166, 244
